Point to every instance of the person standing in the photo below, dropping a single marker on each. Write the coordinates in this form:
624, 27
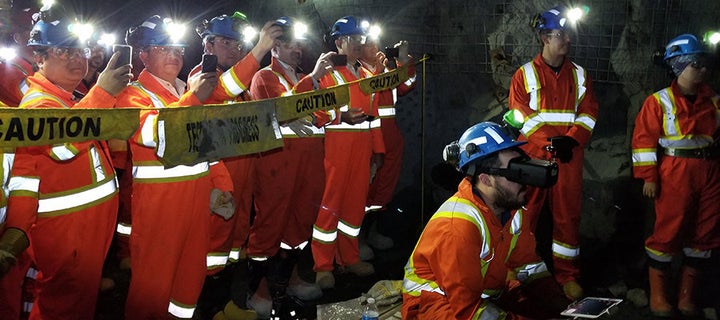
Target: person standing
557, 100
353, 141
57, 191
476, 257
675, 153
288, 195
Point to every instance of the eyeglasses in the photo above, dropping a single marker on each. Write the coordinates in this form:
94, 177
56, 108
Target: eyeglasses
291, 44
356, 39
560, 34
65, 54
165, 51
228, 43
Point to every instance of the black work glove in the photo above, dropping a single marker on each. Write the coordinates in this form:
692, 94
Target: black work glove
562, 147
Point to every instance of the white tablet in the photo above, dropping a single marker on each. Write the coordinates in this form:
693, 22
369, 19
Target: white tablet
590, 307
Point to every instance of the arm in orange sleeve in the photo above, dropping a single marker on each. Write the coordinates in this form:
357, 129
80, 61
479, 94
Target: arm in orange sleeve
586, 115
647, 132
220, 177
96, 98
24, 186
323, 117
518, 98
235, 80
453, 258
407, 86
265, 85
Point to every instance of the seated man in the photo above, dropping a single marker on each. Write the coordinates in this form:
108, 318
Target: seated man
477, 245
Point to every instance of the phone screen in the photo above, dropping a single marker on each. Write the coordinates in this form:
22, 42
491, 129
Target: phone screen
125, 54
209, 63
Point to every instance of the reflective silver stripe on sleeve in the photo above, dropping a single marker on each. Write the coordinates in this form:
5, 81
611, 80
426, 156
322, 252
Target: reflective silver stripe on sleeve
565, 251
24, 184
62, 152
229, 82
159, 172
386, 112
640, 157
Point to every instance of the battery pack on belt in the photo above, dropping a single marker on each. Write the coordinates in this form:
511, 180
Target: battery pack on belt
700, 153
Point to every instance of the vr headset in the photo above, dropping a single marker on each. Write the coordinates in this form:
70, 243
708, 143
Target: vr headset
532, 172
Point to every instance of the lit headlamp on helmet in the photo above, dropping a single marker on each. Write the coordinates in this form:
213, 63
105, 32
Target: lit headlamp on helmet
292, 30
487, 138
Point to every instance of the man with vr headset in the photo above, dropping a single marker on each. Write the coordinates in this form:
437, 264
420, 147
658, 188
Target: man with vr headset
444, 279
557, 101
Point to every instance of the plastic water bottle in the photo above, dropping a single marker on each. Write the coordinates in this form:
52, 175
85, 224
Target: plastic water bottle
371, 310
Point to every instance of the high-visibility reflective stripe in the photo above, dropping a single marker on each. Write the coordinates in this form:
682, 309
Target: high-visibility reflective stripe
658, 256
155, 99
332, 114
302, 245
516, 223
287, 132
586, 121
123, 229
259, 258
386, 112
63, 152
410, 81
97, 164
372, 208
24, 184
36, 95
31, 273
644, 157
24, 87
348, 229
530, 270
27, 306
147, 132
234, 254
412, 286
77, 199
579, 77
684, 142
216, 261
161, 138
281, 79
231, 83
670, 121
7, 162
324, 236
286, 246
564, 251
180, 311
532, 85
456, 205
694, 253
159, 172
3, 214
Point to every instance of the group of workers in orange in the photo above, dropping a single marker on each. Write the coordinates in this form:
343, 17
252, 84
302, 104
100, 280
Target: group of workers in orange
476, 258
185, 232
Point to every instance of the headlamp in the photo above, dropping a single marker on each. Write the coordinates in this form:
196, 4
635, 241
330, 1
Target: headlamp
526, 171
175, 30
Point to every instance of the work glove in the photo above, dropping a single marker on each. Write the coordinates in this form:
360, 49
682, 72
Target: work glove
302, 127
12, 244
561, 147
221, 203
385, 292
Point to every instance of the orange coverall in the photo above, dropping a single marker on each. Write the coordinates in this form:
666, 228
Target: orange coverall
688, 204
14, 86
65, 198
466, 258
170, 233
288, 195
348, 149
554, 105
386, 178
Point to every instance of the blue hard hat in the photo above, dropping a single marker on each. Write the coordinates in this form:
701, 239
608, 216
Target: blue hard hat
347, 26
479, 141
552, 19
224, 26
153, 32
681, 45
57, 33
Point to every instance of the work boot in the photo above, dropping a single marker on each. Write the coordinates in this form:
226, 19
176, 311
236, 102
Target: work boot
686, 296
325, 279
364, 251
378, 241
234, 312
361, 268
573, 290
659, 305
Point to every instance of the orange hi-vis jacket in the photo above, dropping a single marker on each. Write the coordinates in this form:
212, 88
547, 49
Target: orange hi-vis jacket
383, 184
570, 110
64, 197
464, 258
290, 179
13, 87
670, 122
225, 235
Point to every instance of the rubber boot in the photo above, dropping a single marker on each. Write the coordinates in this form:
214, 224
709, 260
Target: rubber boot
278, 277
240, 289
659, 305
686, 294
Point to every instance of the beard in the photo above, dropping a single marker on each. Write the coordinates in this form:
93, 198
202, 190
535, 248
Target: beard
508, 200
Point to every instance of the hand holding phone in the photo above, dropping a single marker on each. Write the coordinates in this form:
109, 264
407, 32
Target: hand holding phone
125, 55
209, 63
338, 60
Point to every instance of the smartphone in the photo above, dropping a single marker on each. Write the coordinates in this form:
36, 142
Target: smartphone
391, 52
125, 54
339, 60
209, 63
